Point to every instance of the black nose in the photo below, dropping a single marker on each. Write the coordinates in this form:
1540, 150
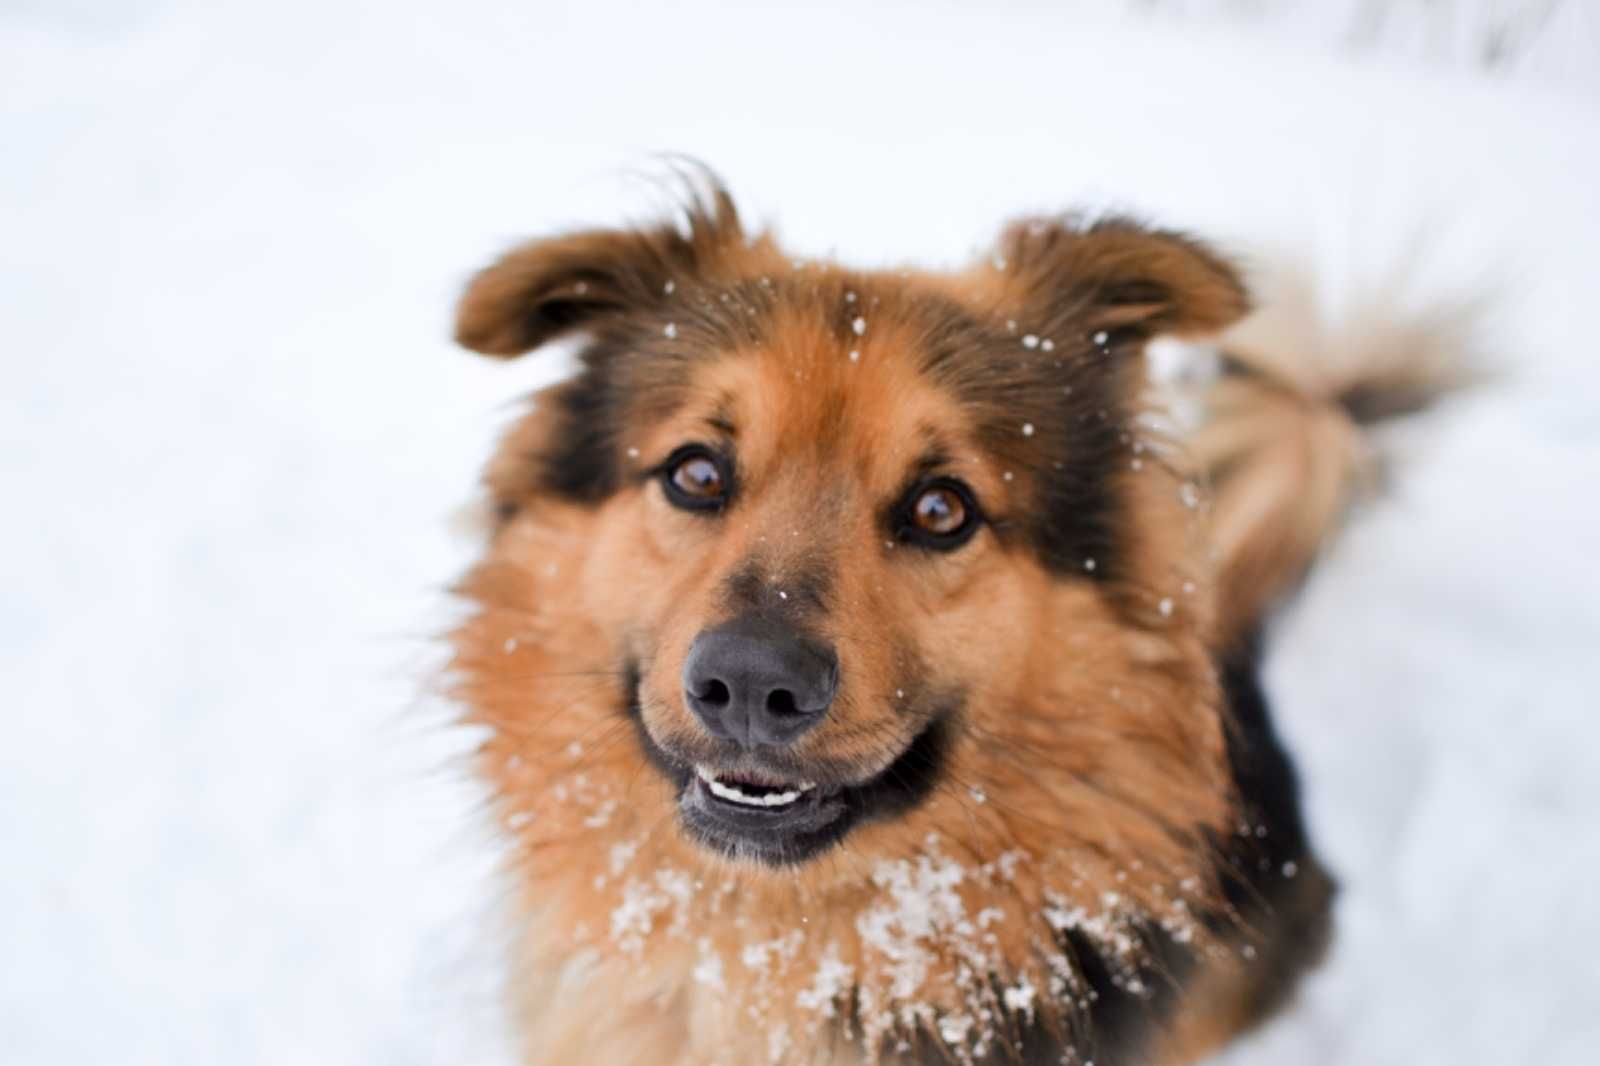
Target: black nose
755, 681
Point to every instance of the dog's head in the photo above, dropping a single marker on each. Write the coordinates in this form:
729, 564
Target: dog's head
845, 553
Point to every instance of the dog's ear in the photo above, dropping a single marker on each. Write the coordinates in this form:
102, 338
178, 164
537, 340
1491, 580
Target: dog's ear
545, 288
1114, 275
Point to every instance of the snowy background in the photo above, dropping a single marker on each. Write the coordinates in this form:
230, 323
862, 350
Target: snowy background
233, 434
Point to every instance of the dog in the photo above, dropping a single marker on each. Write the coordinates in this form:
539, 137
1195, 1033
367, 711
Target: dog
868, 666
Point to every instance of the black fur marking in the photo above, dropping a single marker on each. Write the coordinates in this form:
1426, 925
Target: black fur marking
580, 461
1122, 1022
1081, 510
1265, 776
1074, 457
1276, 884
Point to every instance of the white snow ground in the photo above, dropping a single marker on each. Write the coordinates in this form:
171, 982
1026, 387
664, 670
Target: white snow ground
233, 431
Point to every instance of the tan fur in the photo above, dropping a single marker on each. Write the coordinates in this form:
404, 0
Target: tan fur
1089, 766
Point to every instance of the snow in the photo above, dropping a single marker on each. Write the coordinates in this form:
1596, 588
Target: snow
236, 434
923, 908
708, 970
829, 986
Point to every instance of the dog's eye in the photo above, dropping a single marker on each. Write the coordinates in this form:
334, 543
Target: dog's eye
939, 511
696, 479
939, 514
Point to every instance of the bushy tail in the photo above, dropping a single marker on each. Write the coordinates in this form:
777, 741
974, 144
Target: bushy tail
1284, 438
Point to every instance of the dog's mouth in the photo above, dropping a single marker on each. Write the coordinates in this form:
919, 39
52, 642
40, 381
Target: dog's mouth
778, 810
786, 817
747, 815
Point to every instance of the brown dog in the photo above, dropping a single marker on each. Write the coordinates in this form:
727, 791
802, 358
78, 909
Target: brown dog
868, 678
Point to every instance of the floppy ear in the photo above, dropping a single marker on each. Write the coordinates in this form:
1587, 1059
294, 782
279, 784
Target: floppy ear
545, 288
1118, 276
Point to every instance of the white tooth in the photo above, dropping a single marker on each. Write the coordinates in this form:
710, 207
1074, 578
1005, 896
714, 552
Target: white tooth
719, 789
733, 795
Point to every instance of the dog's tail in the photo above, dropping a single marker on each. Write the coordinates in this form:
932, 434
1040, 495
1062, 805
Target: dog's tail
1285, 437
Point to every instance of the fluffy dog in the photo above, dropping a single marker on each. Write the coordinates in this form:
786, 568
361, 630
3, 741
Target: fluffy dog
869, 671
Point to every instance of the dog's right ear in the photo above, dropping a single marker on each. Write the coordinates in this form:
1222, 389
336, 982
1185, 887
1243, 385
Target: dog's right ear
543, 289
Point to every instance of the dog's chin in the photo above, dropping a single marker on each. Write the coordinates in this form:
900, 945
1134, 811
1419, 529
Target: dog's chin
775, 809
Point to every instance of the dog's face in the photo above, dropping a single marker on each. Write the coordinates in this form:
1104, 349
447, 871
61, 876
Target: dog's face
823, 560
848, 542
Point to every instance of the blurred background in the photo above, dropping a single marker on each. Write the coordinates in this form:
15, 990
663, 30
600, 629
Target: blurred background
232, 825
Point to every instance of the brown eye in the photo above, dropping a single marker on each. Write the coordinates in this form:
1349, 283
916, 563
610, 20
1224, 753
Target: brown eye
939, 511
696, 479
939, 514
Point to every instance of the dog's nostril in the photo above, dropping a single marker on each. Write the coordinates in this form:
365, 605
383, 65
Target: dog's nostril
780, 701
714, 694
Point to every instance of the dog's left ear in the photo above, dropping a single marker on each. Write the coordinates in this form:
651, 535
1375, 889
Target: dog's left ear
1115, 275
